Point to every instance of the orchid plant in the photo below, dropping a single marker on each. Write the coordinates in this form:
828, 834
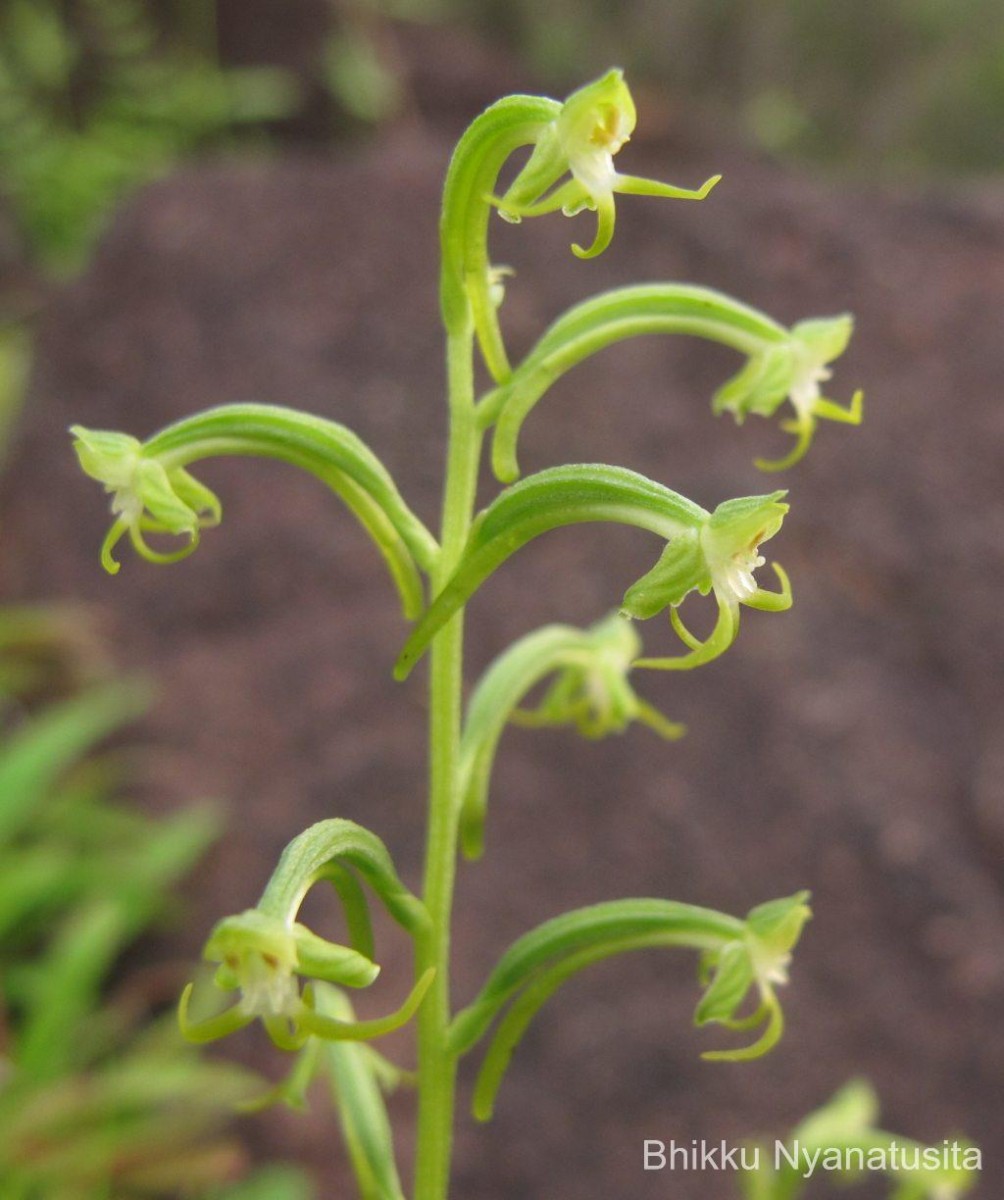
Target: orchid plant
285, 975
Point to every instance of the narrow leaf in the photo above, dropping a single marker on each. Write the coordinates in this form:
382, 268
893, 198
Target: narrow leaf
362, 1111
35, 756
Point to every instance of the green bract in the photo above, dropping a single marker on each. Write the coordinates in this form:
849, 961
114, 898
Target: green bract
590, 691
276, 969
754, 953
152, 492
706, 551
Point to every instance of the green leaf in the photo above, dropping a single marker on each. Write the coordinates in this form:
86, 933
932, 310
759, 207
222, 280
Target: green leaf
271, 1183
646, 309
66, 989
36, 756
547, 500
360, 1104
15, 366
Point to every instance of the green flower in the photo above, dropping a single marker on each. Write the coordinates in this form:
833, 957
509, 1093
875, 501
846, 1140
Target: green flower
720, 556
760, 960
793, 370
147, 497
592, 691
263, 958
591, 127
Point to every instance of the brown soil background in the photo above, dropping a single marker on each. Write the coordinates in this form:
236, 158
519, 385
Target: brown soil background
854, 746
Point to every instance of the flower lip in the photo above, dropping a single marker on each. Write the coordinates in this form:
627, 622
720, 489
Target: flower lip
258, 955
731, 540
805, 392
594, 124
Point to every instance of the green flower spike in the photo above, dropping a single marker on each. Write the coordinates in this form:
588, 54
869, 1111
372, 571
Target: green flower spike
591, 127
793, 370
721, 557
262, 957
146, 496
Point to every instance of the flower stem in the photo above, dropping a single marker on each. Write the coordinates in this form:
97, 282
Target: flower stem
436, 1065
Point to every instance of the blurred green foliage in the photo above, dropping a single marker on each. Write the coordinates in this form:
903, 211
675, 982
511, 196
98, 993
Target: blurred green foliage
99, 1097
877, 85
97, 96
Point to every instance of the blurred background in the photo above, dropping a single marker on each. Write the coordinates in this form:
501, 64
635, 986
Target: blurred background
203, 203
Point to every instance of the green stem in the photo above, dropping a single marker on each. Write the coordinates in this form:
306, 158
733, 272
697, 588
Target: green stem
436, 1064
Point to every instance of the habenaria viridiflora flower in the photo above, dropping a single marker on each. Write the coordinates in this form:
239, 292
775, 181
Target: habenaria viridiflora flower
592, 126
793, 370
147, 497
592, 691
759, 959
263, 958
720, 555
265, 952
